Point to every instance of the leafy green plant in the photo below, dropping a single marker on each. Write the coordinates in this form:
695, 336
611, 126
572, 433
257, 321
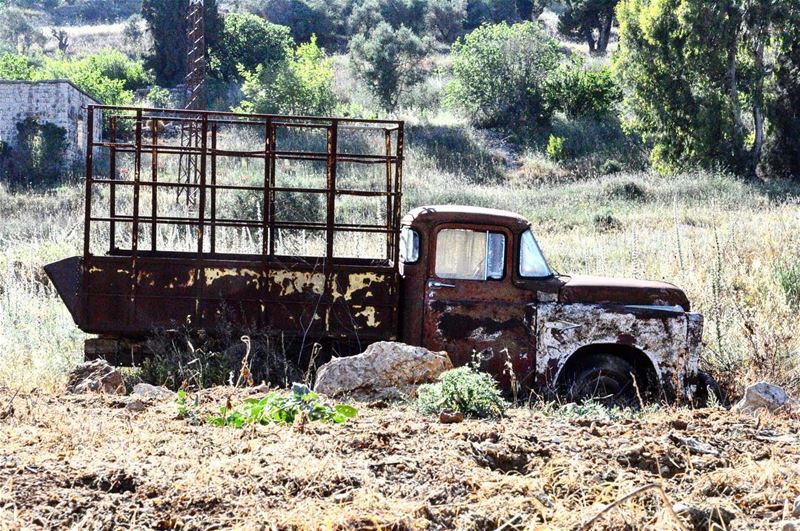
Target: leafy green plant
466, 390
275, 408
556, 150
787, 275
579, 91
187, 409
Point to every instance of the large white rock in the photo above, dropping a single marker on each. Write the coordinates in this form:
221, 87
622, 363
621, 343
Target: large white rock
386, 370
147, 390
95, 376
762, 396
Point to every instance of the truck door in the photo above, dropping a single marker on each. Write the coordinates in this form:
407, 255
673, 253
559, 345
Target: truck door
472, 309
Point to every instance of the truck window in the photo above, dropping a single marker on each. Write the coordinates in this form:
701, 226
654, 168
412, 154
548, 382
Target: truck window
531, 259
409, 245
470, 255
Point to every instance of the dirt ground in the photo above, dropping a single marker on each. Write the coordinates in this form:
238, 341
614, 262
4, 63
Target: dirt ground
87, 462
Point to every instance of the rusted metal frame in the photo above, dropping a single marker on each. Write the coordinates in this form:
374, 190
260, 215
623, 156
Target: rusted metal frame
213, 235
178, 112
88, 211
389, 220
333, 134
367, 193
307, 225
201, 214
154, 187
135, 221
112, 200
398, 196
266, 207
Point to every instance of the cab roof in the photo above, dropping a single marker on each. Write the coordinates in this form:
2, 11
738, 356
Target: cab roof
435, 214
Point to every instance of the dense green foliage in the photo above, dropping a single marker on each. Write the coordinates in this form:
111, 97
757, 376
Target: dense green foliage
501, 74
36, 157
302, 83
280, 409
465, 390
388, 61
166, 20
582, 92
698, 75
249, 42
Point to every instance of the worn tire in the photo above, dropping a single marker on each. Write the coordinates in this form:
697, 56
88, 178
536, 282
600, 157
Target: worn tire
706, 387
607, 379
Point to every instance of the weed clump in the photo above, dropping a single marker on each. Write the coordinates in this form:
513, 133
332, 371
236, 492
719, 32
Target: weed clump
787, 274
275, 408
626, 191
465, 390
606, 222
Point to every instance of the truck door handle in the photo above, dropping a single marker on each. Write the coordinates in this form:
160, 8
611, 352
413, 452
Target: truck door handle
437, 284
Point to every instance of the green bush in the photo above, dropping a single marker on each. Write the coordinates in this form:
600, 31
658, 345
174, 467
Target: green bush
501, 75
787, 274
583, 92
473, 393
388, 61
556, 150
301, 84
249, 42
37, 157
278, 409
15, 66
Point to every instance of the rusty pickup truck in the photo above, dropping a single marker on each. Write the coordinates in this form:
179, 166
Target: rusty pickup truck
470, 281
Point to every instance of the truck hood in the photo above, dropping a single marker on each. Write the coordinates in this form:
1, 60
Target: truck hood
605, 290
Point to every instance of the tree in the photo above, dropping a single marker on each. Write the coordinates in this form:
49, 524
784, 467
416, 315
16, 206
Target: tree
62, 38
166, 20
300, 84
304, 18
692, 70
387, 60
501, 74
444, 19
588, 20
15, 67
247, 42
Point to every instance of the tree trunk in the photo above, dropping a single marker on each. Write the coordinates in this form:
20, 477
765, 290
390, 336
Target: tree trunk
587, 32
605, 32
758, 108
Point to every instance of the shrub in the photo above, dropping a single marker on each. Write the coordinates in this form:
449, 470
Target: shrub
248, 42
473, 393
38, 155
15, 66
610, 167
556, 150
501, 73
627, 191
278, 409
787, 275
159, 97
444, 19
580, 92
302, 84
388, 61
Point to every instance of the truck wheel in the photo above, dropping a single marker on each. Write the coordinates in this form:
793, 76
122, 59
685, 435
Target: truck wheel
607, 379
706, 387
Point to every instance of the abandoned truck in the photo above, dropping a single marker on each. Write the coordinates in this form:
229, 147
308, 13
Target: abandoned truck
195, 217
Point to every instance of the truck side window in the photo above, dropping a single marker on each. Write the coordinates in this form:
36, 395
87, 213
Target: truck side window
531, 259
409, 245
470, 255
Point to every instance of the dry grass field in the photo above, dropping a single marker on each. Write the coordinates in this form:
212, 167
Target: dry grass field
86, 462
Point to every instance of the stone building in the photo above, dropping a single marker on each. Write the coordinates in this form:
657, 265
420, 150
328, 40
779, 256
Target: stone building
58, 101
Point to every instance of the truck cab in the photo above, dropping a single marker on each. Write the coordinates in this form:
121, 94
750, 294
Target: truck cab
476, 284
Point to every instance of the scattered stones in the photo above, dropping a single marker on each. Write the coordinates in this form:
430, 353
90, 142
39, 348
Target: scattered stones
762, 396
136, 405
146, 390
693, 445
95, 376
385, 371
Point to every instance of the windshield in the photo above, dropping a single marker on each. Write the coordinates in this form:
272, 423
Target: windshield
531, 259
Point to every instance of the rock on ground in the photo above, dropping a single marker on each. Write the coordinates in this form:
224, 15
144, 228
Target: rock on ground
151, 391
386, 370
95, 376
762, 396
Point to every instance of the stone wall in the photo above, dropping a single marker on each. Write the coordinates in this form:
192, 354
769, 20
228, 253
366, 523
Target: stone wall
58, 102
